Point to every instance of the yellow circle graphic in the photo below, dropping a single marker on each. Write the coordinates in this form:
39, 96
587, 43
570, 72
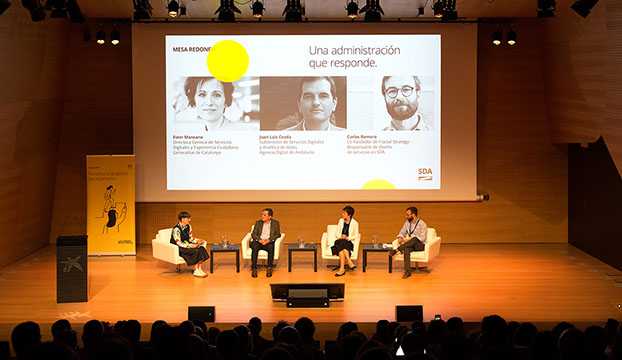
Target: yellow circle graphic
378, 185
227, 60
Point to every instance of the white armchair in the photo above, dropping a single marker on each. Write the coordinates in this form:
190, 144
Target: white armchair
245, 247
165, 251
432, 249
328, 240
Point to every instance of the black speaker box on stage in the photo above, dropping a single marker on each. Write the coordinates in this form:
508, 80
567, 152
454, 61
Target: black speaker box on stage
409, 313
71, 269
307, 298
205, 313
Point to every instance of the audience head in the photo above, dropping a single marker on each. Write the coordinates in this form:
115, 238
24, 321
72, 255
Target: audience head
373, 353
131, 329
350, 345
596, 342
92, 332
524, 334
289, 335
306, 328
544, 346
255, 321
456, 348
277, 328
436, 331
201, 325
494, 329
346, 328
112, 346
67, 337
561, 327
212, 334
25, 337
572, 345
278, 352
245, 336
455, 327
411, 343
228, 343
55, 351
187, 326
59, 326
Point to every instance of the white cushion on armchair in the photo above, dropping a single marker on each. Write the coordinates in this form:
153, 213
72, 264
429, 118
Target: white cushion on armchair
432, 249
245, 247
164, 250
328, 240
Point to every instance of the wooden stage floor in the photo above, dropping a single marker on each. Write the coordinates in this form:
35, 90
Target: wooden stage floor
522, 282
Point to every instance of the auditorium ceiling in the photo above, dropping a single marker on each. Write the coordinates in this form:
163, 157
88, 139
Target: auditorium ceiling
320, 9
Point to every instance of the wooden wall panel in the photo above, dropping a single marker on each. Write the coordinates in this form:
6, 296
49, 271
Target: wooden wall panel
612, 131
583, 77
32, 72
525, 175
97, 119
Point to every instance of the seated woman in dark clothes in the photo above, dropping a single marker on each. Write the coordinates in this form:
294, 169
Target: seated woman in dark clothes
190, 248
347, 229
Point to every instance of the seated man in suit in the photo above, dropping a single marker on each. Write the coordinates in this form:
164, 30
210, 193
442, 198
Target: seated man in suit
265, 233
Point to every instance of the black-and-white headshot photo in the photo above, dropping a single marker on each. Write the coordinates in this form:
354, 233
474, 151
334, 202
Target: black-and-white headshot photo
215, 105
313, 103
408, 103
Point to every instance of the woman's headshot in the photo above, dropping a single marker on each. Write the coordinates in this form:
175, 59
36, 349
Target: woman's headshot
210, 97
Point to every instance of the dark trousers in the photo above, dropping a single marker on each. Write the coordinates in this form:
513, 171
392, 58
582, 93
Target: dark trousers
413, 244
256, 246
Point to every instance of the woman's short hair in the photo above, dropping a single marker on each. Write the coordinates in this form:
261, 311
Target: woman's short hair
192, 84
349, 210
183, 214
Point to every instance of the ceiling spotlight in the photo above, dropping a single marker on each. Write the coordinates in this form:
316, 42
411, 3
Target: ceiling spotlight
372, 10
36, 9
449, 10
546, 8
142, 10
420, 11
173, 8
59, 8
293, 11
496, 37
438, 9
353, 10
581, 7
226, 11
101, 35
257, 9
511, 37
4, 4
75, 14
115, 35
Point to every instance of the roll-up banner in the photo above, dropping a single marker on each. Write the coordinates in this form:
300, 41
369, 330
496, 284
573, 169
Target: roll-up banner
110, 203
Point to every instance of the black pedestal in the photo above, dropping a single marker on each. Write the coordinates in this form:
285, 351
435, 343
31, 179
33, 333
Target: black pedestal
71, 269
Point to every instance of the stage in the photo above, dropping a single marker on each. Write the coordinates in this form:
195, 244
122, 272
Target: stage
541, 283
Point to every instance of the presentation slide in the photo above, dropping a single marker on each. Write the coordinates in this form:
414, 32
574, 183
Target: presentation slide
312, 112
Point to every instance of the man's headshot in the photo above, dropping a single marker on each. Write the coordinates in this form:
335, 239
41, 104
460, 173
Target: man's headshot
317, 101
401, 97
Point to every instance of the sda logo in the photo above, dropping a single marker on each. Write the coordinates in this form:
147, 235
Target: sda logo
425, 174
